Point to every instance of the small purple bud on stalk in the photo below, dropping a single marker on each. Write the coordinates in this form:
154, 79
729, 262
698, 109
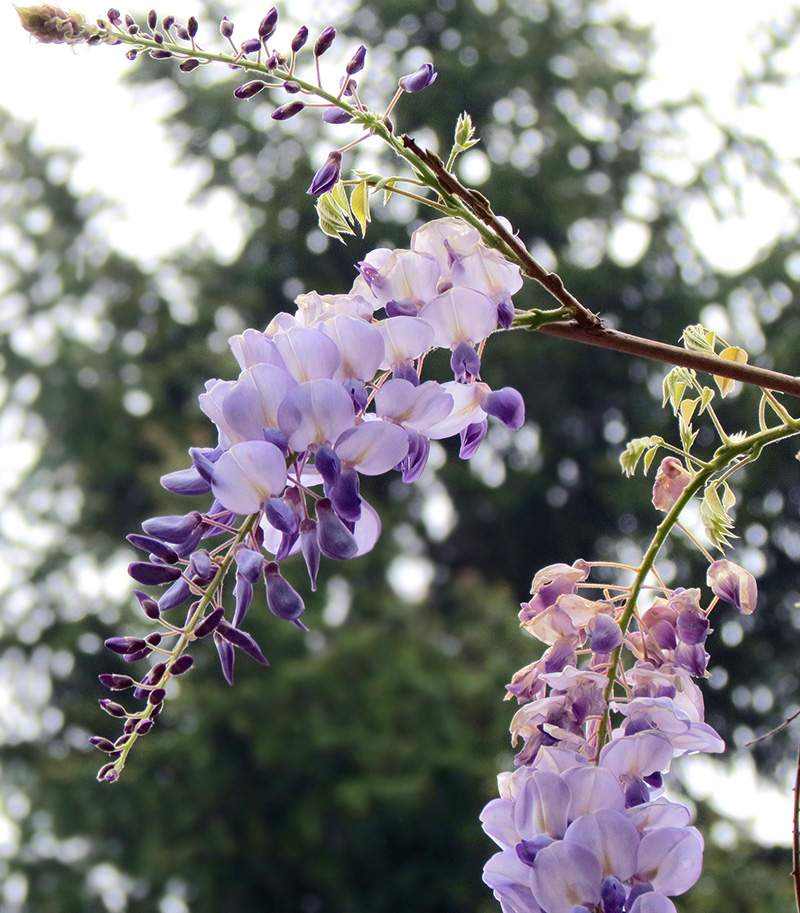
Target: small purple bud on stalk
242, 640
154, 639
108, 774
192, 26
209, 623
187, 66
167, 22
103, 744
149, 606
157, 696
291, 87
420, 79
226, 27
267, 25
283, 600
115, 682
156, 548
133, 29
125, 645
335, 539
135, 657
144, 726
250, 46
173, 529
327, 176
182, 664
284, 112
357, 61
299, 39
113, 709
152, 19
132, 54
181, 32
160, 55
309, 546
324, 41
249, 89
113, 16
334, 115
129, 20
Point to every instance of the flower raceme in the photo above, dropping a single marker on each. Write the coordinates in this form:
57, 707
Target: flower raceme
325, 396
582, 824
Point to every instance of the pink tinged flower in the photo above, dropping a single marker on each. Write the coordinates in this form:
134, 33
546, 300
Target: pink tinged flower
360, 345
559, 759
488, 272
460, 315
251, 404
467, 399
733, 584
372, 448
314, 309
254, 348
447, 240
418, 408
405, 338
509, 879
671, 479
671, 859
605, 635
315, 413
611, 837
593, 788
507, 405
308, 353
551, 582
653, 903
407, 279
247, 475
542, 806
565, 875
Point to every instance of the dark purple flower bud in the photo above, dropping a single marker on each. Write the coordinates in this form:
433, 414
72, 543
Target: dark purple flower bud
133, 29
283, 600
240, 639
249, 89
278, 438
174, 529
182, 664
156, 548
309, 546
465, 363
357, 61
158, 38
334, 115
148, 605
344, 496
209, 623
291, 87
605, 634
282, 517
527, 849
181, 32
506, 405
157, 696
192, 26
125, 645
505, 313
176, 595
160, 55
249, 564
187, 66
328, 465
129, 20
327, 176
335, 539
132, 54
201, 568
152, 19
471, 438
129, 726
167, 22
144, 726
406, 371
113, 16
290, 109
103, 744
324, 41
226, 27
135, 657
420, 79
560, 655
414, 462
115, 682
108, 774
187, 547
250, 47
226, 657
401, 309
299, 39
636, 792
113, 709
612, 895
186, 481
267, 25
693, 627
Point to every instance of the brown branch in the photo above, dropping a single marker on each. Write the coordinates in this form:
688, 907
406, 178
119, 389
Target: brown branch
796, 837
586, 326
674, 355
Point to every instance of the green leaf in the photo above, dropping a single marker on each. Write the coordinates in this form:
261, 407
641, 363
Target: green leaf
699, 339
464, 136
359, 204
688, 436
634, 451
714, 513
675, 384
331, 217
339, 196
706, 395
687, 409
649, 457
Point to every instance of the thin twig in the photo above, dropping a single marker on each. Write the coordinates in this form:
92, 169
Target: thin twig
772, 732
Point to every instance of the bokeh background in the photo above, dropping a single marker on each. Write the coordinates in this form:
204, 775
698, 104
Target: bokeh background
646, 151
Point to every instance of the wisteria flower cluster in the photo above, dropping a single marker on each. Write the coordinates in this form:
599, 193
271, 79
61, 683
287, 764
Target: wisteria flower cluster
582, 823
326, 395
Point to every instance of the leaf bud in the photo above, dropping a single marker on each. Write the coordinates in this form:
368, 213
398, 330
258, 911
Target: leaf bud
288, 110
226, 27
267, 25
324, 41
249, 89
299, 39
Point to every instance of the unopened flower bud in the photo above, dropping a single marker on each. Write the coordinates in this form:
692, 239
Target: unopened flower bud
160, 55
268, 24
113, 709
152, 19
226, 27
167, 22
299, 39
284, 112
356, 62
124, 645
192, 26
113, 16
115, 682
144, 726
420, 79
108, 774
327, 176
103, 744
334, 115
182, 664
291, 87
250, 46
157, 696
188, 65
181, 32
283, 600
209, 623
324, 41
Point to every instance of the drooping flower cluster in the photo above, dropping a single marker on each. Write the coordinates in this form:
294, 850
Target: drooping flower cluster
325, 396
582, 823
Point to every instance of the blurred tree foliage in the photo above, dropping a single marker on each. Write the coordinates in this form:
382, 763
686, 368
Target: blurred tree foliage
349, 776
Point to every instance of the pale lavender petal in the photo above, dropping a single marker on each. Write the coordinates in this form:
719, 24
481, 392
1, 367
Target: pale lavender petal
488, 272
406, 277
360, 345
280, 323
417, 408
611, 837
638, 755
509, 878
373, 448
671, 859
565, 874
251, 404
467, 402
542, 806
247, 475
211, 405
460, 315
316, 412
404, 338
734, 584
308, 353
447, 240
653, 903
254, 348
660, 813
593, 788
497, 819
367, 530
